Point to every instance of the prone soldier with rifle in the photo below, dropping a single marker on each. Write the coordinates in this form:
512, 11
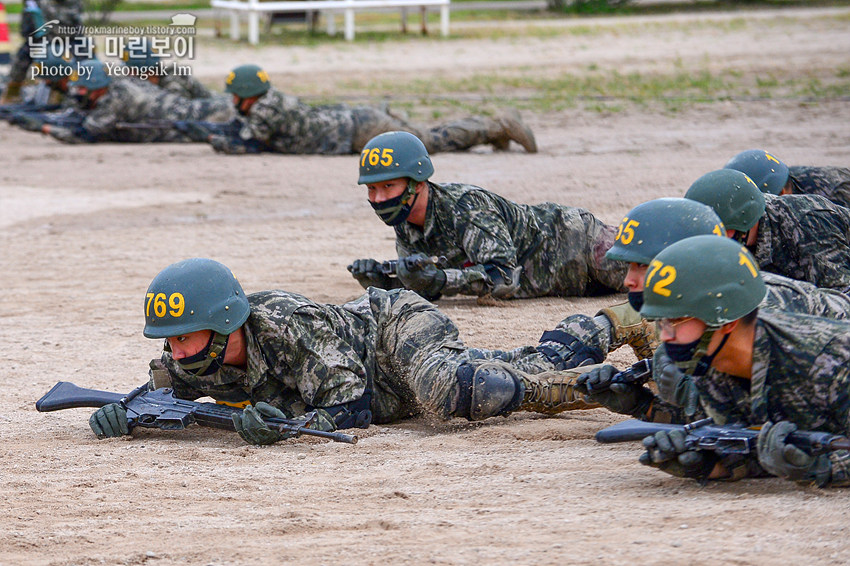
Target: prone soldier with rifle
644, 231
383, 357
493, 247
751, 366
109, 105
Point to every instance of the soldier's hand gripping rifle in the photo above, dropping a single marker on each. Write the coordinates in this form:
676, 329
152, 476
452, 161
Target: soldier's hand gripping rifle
721, 440
160, 409
390, 267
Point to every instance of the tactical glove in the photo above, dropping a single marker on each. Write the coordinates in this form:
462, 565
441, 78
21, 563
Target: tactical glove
785, 460
624, 398
222, 144
368, 273
674, 386
427, 280
667, 451
109, 421
253, 429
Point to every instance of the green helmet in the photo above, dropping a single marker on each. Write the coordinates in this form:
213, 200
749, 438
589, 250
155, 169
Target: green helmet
246, 81
767, 172
94, 79
194, 294
393, 155
650, 227
713, 279
734, 197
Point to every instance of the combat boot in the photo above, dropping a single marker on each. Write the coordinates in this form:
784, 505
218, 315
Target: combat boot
553, 392
12, 92
496, 388
628, 327
511, 127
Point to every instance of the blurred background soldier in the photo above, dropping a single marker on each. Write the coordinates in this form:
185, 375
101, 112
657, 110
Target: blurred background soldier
36, 26
131, 110
281, 123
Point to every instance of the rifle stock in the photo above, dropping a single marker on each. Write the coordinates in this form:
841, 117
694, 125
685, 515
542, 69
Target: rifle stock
160, 409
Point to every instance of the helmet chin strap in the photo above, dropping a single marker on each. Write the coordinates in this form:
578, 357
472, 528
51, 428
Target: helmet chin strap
210, 359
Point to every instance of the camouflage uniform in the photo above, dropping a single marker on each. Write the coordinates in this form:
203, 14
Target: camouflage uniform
301, 354
134, 101
286, 125
624, 325
186, 86
800, 373
805, 237
68, 12
557, 250
832, 183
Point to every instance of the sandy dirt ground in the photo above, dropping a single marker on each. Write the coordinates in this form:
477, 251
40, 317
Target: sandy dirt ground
85, 228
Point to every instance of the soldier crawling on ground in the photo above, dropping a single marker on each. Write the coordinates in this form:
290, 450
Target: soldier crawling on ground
112, 107
492, 246
383, 357
278, 122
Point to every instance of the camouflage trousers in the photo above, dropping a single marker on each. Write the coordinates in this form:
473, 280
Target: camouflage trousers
456, 135
418, 352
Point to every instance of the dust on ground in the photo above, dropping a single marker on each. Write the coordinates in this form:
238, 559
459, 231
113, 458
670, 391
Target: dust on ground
85, 228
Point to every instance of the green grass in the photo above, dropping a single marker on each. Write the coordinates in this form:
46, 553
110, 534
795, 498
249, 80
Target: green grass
608, 91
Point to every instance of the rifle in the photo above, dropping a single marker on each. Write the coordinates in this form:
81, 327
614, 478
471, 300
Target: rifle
161, 409
390, 267
196, 130
9, 110
637, 374
723, 440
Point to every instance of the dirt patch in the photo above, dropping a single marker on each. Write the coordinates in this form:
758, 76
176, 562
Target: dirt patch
85, 228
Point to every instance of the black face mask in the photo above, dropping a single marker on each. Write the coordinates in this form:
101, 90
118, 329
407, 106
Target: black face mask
394, 211
636, 299
682, 352
238, 106
209, 360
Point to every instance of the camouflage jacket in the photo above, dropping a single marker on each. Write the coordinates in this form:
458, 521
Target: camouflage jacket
558, 250
832, 183
299, 353
286, 125
186, 86
805, 237
800, 373
140, 102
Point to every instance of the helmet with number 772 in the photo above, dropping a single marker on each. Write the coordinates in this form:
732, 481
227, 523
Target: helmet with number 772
715, 280
191, 295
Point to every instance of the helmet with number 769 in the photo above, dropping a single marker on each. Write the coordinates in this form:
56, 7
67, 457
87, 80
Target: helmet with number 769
191, 295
